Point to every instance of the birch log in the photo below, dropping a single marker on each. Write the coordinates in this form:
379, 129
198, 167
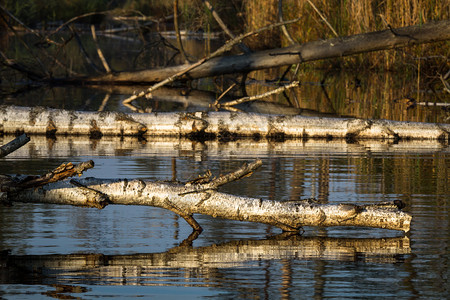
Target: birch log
210, 125
202, 197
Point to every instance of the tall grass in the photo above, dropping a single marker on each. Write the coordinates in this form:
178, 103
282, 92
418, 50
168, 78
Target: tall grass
346, 16
358, 16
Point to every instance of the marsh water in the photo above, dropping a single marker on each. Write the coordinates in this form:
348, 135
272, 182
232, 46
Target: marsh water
50, 251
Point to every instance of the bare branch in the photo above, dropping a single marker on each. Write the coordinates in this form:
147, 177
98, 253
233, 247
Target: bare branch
256, 97
14, 145
323, 18
227, 47
283, 27
99, 51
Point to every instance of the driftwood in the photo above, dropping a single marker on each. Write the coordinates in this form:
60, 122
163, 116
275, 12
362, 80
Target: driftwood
211, 125
310, 51
200, 196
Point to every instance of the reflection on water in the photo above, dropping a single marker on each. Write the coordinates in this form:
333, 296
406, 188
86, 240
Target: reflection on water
59, 251
72, 252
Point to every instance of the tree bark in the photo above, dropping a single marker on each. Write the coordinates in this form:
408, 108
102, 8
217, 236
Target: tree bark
210, 125
201, 197
310, 51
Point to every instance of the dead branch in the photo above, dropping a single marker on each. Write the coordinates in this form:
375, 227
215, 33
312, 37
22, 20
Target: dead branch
99, 51
14, 145
185, 69
83, 50
224, 27
19, 183
310, 51
260, 96
283, 28
177, 31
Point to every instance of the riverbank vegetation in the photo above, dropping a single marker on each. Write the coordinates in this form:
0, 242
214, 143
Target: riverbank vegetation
319, 20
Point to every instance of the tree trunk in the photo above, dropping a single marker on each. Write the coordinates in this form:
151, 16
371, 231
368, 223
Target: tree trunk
201, 197
211, 125
317, 50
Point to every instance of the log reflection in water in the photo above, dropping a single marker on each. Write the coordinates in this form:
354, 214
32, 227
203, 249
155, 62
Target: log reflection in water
41, 146
184, 263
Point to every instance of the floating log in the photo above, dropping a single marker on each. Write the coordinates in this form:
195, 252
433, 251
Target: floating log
201, 197
210, 125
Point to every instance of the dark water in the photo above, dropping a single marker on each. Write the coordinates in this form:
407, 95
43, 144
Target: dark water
129, 251
50, 251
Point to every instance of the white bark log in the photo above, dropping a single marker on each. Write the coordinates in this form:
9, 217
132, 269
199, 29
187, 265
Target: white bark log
204, 199
210, 125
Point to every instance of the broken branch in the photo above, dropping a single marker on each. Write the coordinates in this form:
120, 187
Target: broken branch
14, 145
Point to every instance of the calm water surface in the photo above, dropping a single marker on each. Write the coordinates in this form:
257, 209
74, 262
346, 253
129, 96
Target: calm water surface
51, 251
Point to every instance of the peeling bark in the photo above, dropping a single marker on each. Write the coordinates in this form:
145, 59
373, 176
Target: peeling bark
203, 198
210, 125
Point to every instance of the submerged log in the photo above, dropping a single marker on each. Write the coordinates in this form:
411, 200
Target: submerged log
201, 197
210, 125
317, 50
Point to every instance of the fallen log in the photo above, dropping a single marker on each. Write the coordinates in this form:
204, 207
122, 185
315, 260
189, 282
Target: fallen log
310, 51
210, 125
200, 196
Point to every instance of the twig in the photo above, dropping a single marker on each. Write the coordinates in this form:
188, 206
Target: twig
94, 198
18, 21
76, 18
223, 94
104, 102
256, 97
177, 31
244, 171
444, 82
43, 67
18, 67
223, 26
99, 51
14, 145
283, 27
83, 50
323, 18
60, 173
228, 46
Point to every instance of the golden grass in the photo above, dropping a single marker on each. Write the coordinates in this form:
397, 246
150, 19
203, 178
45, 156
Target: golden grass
358, 16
